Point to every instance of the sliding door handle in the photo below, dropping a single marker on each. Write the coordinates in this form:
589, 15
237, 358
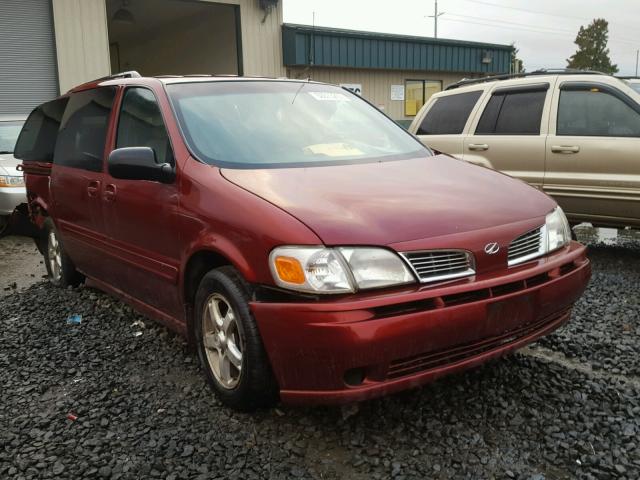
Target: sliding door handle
565, 149
479, 147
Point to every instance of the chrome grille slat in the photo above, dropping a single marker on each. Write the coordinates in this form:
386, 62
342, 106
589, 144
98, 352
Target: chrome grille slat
438, 262
526, 246
448, 266
437, 265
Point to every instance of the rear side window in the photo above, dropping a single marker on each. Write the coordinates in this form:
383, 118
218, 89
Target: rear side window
596, 113
37, 140
83, 131
449, 114
141, 124
513, 112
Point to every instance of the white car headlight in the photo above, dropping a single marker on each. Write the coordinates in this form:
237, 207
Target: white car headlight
11, 181
558, 230
337, 270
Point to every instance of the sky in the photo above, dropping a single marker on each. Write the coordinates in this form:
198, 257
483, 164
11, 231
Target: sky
543, 30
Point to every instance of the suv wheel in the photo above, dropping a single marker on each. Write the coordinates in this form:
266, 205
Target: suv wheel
229, 344
60, 268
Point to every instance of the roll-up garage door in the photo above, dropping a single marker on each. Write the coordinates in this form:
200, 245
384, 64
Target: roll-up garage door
28, 74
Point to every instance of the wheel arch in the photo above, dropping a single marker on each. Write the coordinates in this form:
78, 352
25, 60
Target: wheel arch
198, 264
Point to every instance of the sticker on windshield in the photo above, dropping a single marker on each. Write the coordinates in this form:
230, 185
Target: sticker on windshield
333, 150
330, 96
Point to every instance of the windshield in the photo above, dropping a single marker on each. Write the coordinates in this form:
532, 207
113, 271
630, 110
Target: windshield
262, 124
9, 132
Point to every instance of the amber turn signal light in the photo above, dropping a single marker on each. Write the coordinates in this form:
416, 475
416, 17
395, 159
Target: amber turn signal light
289, 270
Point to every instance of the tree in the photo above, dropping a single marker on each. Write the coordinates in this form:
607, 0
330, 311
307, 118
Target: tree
592, 53
516, 63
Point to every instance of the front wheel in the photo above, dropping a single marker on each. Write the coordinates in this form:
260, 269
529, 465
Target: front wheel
60, 269
229, 344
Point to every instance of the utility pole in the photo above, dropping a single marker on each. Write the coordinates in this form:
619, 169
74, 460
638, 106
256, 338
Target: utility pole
637, 58
435, 20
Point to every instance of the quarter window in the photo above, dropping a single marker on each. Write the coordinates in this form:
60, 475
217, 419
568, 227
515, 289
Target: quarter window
449, 114
141, 124
517, 112
83, 130
596, 113
417, 93
37, 139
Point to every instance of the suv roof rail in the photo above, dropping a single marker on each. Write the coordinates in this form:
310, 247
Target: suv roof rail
128, 74
506, 76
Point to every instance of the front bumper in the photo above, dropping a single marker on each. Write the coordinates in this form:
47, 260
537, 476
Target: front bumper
368, 345
10, 198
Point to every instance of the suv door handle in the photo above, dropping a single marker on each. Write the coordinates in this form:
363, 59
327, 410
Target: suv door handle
565, 149
110, 193
93, 187
478, 146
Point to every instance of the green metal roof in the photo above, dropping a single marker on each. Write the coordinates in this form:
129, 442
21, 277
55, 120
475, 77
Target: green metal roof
304, 45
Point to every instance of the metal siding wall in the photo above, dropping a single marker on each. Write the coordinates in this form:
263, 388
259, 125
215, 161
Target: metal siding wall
261, 42
27, 55
353, 51
82, 41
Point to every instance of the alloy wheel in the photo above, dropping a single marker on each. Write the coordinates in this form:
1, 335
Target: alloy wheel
223, 341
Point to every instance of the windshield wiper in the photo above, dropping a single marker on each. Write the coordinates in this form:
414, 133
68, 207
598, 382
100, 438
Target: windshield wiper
5, 151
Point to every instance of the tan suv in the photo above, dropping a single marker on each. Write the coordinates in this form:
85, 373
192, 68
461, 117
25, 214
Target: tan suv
574, 135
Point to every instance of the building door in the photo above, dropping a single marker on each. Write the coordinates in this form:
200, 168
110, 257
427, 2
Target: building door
27, 56
168, 37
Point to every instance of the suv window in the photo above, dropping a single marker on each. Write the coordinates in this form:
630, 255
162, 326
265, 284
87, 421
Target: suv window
597, 113
83, 131
449, 114
513, 112
141, 124
37, 139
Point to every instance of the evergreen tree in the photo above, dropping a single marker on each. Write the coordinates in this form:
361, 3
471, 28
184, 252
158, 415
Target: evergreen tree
592, 53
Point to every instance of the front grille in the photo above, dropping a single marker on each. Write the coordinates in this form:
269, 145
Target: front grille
526, 247
435, 265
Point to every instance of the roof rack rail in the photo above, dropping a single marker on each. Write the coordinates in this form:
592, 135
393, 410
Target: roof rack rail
128, 74
506, 76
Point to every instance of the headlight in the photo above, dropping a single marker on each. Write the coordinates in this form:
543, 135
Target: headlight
11, 181
337, 270
558, 230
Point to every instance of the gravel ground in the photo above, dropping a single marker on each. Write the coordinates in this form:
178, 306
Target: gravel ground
20, 264
100, 400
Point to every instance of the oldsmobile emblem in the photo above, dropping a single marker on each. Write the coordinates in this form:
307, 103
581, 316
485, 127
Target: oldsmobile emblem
491, 248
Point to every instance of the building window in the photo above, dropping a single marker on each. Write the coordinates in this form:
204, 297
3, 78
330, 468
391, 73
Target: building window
417, 93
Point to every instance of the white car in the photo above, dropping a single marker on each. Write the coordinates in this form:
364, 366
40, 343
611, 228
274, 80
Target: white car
12, 191
634, 83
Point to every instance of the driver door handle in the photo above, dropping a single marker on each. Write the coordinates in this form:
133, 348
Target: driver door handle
481, 147
93, 188
565, 149
110, 193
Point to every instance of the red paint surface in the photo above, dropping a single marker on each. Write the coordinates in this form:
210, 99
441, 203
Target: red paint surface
135, 240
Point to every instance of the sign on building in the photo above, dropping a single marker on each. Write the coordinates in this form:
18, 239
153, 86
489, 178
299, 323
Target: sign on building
397, 92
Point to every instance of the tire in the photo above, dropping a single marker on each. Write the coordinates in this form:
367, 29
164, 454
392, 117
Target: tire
60, 269
4, 225
229, 346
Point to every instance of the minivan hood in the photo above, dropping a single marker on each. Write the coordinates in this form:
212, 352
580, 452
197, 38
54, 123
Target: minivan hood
395, 201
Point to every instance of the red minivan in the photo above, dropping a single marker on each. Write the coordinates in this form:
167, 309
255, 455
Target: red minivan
310, 248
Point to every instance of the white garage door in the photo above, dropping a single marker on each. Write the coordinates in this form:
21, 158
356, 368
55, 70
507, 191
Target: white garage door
27, 55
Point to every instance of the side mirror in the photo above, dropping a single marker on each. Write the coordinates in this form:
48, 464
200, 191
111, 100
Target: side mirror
139, 163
